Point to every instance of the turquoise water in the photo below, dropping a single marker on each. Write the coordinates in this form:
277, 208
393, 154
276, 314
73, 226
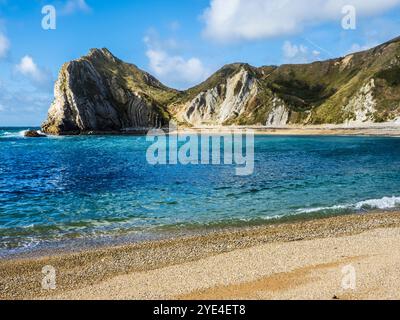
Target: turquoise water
61, 188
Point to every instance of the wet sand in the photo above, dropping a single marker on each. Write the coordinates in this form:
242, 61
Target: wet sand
298, 260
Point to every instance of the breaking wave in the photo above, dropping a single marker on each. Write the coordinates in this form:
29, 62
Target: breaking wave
384, 203
15, 134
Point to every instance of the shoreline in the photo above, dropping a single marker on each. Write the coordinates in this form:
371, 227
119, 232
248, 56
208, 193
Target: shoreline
376, 129
388, 129
84, 245
83, 271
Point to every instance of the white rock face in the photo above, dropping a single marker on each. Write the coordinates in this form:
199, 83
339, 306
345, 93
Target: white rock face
223, 103
279, 115
363, 105
236, 100
202, 109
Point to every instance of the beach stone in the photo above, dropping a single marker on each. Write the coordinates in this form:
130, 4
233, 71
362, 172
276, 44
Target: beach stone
33, 134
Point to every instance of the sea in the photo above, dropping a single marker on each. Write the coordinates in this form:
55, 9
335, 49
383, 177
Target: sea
79, 191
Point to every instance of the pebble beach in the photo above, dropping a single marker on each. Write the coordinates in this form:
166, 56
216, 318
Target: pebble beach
273, 261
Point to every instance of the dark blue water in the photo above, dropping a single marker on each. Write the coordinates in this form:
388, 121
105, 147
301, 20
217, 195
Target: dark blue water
60, 188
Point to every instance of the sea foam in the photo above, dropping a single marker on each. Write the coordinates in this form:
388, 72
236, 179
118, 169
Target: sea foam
382, 204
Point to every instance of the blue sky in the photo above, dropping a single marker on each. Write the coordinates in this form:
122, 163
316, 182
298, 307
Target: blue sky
180, 42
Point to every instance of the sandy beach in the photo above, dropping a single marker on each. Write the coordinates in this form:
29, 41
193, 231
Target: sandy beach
389, 129
297, 260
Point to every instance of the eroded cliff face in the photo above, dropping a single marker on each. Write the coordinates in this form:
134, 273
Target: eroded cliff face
223, 103
279, 115
362, 106
82, 101
101, 93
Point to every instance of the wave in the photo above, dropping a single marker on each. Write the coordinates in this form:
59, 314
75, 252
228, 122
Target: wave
382, 204
21, 134
15, 134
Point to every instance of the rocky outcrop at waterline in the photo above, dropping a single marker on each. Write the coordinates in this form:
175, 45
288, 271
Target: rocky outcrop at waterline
100, 93
33, 134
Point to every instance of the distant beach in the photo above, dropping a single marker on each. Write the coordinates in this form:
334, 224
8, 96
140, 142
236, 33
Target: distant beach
366, 129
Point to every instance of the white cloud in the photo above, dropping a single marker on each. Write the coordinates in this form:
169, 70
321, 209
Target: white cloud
4, 46
28, 68
173, 69
23, 107
73, 6
164, 65
22, 99
235, 20
293, 53
21, 103
290, 50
